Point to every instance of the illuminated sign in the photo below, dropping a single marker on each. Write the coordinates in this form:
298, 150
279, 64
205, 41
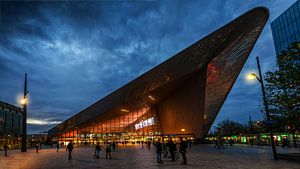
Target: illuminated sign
144, 123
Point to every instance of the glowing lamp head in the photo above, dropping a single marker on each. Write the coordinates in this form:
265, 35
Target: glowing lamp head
182, 130
23, 101
251, 76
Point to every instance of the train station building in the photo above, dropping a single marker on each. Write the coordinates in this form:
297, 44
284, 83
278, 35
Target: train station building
180, 97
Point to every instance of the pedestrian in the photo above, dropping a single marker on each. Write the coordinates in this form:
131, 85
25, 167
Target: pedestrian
230, 142
149, 144
37, 148
5, 147
57, 147
69, 149
108, 150
158, 151
221, 142
142, 144
172, 149
190, 144
285, 142
113, 145
217, 144
251, 141
182, 149
97, 150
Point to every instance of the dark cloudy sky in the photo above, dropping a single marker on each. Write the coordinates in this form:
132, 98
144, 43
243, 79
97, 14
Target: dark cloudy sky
77, 52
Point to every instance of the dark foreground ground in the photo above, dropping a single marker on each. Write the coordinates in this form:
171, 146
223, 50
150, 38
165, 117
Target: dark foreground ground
200, 157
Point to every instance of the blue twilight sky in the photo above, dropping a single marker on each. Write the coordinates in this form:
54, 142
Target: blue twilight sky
77, 52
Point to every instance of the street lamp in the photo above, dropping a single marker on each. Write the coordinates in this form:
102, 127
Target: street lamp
252, 76
24, 102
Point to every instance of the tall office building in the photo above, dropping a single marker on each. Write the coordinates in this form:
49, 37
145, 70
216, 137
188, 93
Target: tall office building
10, 125
286, 28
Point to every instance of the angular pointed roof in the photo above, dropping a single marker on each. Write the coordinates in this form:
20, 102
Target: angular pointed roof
222, 53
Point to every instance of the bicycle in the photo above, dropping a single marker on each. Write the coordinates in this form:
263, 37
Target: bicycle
166, 154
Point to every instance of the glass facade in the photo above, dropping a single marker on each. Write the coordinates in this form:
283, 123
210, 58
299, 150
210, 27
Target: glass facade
10, 125
129, 128
286, 28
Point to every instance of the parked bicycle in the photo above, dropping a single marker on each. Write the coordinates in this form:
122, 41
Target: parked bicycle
166, 153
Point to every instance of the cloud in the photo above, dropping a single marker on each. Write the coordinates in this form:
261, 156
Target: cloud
77, 52
41, 122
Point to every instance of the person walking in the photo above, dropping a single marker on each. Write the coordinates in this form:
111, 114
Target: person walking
149, 144
158, 151
183, 146
108, 150
222, 143
285, 142
113, 145
97, 150
5, 147
172, 149
251, 141
37, 148
217, 145
57, 147
69, 149
190, 144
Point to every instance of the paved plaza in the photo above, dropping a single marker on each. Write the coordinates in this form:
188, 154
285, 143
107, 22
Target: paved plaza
200, 157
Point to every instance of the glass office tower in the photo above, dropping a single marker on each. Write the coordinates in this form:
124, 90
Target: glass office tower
286, 28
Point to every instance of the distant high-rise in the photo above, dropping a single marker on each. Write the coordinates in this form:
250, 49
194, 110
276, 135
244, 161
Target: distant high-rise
286, 27
11, 118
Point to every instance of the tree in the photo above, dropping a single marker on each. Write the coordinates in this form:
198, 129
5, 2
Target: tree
229, 127
258, 127
283, 89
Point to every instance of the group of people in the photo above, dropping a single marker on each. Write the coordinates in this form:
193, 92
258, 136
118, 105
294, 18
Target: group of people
159, 149
108, 147
221, 143
172, 149
148, 144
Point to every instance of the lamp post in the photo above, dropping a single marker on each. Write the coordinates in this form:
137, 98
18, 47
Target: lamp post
24, 128
260, 79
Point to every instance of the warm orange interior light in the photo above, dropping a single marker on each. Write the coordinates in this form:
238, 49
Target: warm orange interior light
152, 98
183, 130
125, 110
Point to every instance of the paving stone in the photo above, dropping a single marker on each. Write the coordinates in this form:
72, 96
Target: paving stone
199, 157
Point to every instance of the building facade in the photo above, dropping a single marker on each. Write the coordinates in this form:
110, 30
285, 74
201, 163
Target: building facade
11, 118
286, 28
180, 97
